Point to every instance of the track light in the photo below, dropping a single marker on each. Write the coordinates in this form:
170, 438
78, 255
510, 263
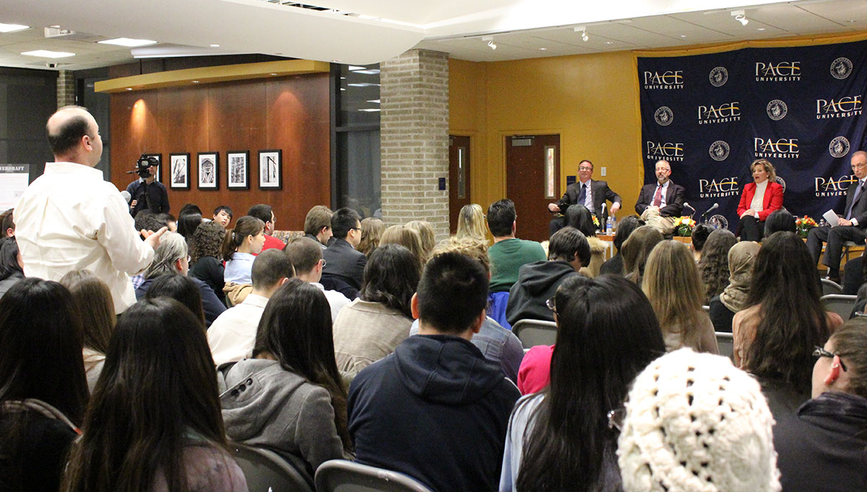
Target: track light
741, 17
583, 31
490, 40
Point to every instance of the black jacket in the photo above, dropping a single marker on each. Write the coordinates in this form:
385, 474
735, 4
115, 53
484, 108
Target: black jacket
675, 195
537, 282
153, 197
343, 261
600, 193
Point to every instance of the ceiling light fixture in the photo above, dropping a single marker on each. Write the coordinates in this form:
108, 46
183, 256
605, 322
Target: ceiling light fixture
490, 40
12, 27
215, 46
741, 17
48, 54
128, 42
583, 31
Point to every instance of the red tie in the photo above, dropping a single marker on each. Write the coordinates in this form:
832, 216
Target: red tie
657, 197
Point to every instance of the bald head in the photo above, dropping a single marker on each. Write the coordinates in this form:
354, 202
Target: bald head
74, 136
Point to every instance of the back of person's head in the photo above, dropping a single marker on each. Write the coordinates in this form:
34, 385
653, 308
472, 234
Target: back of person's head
741, 259
792, 320
567, 244
780, 220
714, 263
244, 227
158, 388
180, 288
391, 277
41, 347
172, 248
427, 235
452, 293
272, 266
579, 217
695, 422
318, 217
190, 208
571, 420
343, 220
262, 212
471, 222
9, 253
65, 138
848, 342
188, 223
95, 306
475, 248
7, 225
501, 215
625, 228
371, 233
673, 286
207, 241
700, 235
149, 221
636, 249
406, 237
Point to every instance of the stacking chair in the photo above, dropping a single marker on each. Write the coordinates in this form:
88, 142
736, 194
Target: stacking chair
831, 287
726, 343
534, 332
266, 471
840, 304
348, 476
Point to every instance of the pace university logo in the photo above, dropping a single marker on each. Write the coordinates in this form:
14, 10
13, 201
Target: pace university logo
829, 186
783, 71
841, 68
711, 188
667, 79
776, 148
723, 113
719, 150
777, 110
842, 107
663, 116
718, 76
839, 147
669, 151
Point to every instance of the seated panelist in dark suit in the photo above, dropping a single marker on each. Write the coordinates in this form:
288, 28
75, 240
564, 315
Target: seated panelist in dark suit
758, 200
343, 264
852, 225
661, 202
588, 192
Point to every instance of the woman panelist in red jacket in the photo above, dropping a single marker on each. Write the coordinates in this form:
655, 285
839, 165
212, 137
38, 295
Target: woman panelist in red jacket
758, 200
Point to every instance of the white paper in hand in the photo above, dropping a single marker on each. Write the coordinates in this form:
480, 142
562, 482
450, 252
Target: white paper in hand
831, 218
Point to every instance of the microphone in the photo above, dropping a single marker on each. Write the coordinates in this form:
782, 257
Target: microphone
687, 205
711, 209
126, 196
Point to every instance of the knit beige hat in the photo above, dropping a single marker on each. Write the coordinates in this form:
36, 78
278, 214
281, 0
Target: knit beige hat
695, 423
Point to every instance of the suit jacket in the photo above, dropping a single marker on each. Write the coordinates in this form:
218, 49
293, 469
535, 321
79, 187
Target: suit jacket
674, 198
600, 193
859, 211
342, 260
772, 200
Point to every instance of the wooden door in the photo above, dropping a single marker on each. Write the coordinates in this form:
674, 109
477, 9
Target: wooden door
459, 177
533, 181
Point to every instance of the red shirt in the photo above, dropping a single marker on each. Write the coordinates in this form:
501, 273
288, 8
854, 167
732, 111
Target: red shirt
272, 242
535, 371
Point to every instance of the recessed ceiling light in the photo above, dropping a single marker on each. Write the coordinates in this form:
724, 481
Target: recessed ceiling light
129, 88
12, 27
683, 35
609, 42
760, 29
48, 54
852, 21
195, 81
543, 49
215, 46
128, 42
55, 26
273, 74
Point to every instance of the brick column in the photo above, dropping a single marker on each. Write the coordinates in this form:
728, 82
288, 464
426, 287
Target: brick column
65, 88
415, 138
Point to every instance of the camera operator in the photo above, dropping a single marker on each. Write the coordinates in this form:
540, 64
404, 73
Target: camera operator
146, 193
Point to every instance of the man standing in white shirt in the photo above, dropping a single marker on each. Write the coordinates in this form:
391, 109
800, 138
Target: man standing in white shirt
232, 335
306, 255
70, 218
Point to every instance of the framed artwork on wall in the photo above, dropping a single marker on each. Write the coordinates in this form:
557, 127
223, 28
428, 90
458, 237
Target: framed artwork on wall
238, 170
159, 158
270, 169
179, 171
209, 170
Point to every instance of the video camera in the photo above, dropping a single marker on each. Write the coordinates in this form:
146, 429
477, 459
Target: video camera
144, 162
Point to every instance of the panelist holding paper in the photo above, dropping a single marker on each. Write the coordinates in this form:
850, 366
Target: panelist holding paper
852, 226
588, 192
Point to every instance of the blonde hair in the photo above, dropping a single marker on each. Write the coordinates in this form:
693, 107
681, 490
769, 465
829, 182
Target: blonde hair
467, 246
636, 250
471, 222
406, 237
673, 286
425, 233
769, 168
371, 233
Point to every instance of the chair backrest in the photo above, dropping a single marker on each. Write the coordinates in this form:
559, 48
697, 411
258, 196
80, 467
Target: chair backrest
840, 304
831, 287
726, 344
348, 476
534, 332
266, 471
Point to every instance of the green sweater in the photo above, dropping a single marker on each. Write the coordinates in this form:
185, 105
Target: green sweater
507, 257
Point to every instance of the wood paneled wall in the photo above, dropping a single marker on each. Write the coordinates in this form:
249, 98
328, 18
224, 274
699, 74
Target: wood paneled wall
290, 113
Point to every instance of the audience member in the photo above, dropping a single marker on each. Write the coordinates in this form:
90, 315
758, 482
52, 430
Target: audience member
406, 237
73, 210
7, 226
578, 216
636, 249
426, 234
372, 326
317, 225
222, 215
783, 320
734, 297
371, 232
659, 203
11, 264
306, 256
559, 439
179, 288
289, 396
169, 220
625, 228
673, 286
508, 253
343, 264
714, 263
538, 281
95, 308
206, 257
780, 220
264, 213
471, 222
694, 422
699, 237
437, 410
148, 193
189, 220
44, 391
825, 446
240, 247
154, 420
854, 275
150, 222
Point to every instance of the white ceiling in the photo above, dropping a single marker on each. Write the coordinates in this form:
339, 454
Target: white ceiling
375, 30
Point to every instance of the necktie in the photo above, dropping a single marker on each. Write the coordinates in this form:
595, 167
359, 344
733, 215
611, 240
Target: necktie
657, 198
855, 199
582, 195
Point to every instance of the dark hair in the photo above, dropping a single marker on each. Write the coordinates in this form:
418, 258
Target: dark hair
567, 244
149, 221
579, 217
295, 329
227, 209
245, 226
95, 307
780, 220
318, 217
207, 241
157, 389
304, 253
700, 235
391, 277
501, 215
189, 208
261, 211
626, 227
271, 266
452, 292
9, 258
636, 250
714, 263
7, 222
342, 221
568, 442
187, 225
849, 342
792, 320
180, 288
69, 134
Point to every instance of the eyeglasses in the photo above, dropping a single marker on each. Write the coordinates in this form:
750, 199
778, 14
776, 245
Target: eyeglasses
585, 168
821, 352
552, 305
323, 262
